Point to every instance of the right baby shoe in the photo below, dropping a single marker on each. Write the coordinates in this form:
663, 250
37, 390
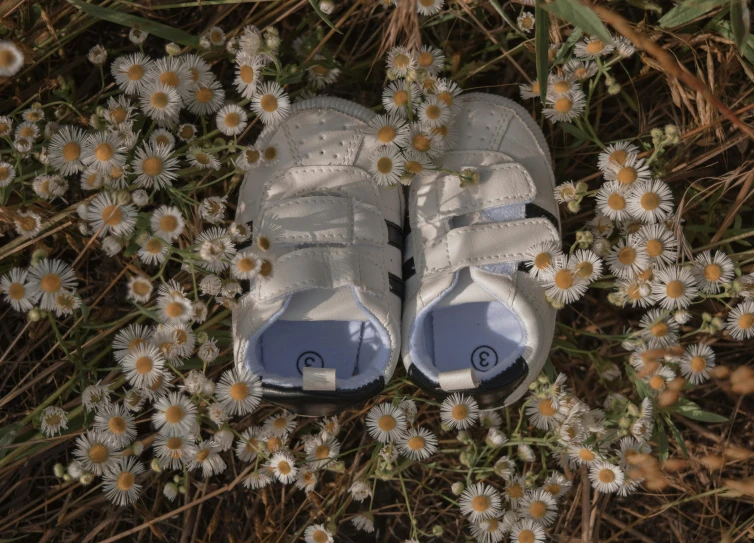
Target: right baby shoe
322, 331
474, 322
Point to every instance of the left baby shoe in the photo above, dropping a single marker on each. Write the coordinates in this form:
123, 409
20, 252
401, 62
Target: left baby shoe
322, 328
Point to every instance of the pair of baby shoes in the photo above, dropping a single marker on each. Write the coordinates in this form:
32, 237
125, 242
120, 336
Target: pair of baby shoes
364, 274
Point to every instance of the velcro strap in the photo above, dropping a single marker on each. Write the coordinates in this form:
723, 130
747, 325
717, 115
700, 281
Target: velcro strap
319, 379
464, 379
482, 244
323, 219
499, 185
324, 267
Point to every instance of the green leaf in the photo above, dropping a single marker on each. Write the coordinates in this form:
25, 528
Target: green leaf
740, 22
662, 440
323, 16
581, 16
126, 19
542, 42
677, 435
689, 409
576, 132
688, 11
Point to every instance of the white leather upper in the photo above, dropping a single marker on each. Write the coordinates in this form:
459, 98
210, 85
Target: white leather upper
325, 217
482, 227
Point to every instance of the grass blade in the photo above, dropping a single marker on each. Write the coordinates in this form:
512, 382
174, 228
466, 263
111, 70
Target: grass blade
740, 22
688, 11
581, 16
322, 16
126, 19
542, 42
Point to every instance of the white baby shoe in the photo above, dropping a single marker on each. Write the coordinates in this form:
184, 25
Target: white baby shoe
323, 330
474, 321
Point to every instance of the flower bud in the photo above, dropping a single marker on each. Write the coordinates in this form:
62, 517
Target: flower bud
58, 470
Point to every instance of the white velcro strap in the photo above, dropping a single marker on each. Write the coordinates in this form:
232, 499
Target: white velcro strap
348, 181
324, 267
482, 244
499, 185
323, 219
319, 379
458, 379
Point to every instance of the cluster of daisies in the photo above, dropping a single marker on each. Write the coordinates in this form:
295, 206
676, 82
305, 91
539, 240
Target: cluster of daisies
417, 127
423, 7
565, 98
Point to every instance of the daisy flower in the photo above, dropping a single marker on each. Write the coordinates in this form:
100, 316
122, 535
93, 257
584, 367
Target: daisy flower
306, 479
64, 150
386, 166
627, 258
280, 425
107, 216
617, 154
162, 137
740, 323
658, 329
431, 60
448, 92
258, 479
249, 444
582, 454
202, 160
400, 61
592, 47
48, 187
398, 96
713, 271
96, 452
167, 223
130, 72
417, 443
7, 174
215, 248
154, 166
16, 288
605, 477
52, 420
659, 243
487, 531
231, 120
248, 159
153, 251
160, 102
538, 505
114, 421
424, 140
174, 414
541, 256
529, 90
239, 391
6, 125
562, 284
388, 130
556, 485
173, 452
170, 72
543, 412
142, 364
527, 531
385, 422
248, 74
674, 288
199, 71
47, 279
624, 47
11, 59
586, 264
650, 201
429, 7
630, 450
696, 363
320, 451
205, 99
433, 112
360, 490
364, 521
459, 412
119, 485
103, 151
480, 502
317, 533
129, 338
564, 108
659, 379
270, 103
206, 455
212, 209
319, 75
565, 192
187, 132
283, 465
525, 22
91, 180
630, 171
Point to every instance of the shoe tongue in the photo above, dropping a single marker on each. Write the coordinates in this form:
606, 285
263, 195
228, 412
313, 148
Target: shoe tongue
320, 304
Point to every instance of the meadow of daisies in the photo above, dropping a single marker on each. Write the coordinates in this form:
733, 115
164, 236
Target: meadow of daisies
125, 135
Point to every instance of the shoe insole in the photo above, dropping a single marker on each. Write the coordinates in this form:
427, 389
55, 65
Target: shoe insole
286, 347
487, 336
